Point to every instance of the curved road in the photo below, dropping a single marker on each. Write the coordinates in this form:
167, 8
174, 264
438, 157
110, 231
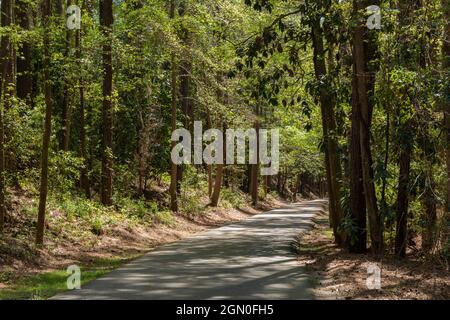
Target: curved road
251, 259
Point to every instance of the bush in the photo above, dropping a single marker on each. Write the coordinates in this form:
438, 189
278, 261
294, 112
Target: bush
77, 207
64, 171
190, 204
232, 199
164, 217
97, 226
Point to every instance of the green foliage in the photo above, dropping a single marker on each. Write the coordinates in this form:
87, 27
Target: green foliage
232, 198
64, 171
349, 227
190, 204
230, 59
97, 226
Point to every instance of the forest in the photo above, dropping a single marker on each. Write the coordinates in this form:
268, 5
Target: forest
92, 90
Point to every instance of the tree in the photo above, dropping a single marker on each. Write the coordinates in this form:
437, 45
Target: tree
327, 106
46, 14
363, 84
66, 103
219, 174
106, 22
84, 178
446, 68
254, 171
6, 92
24, 56
173, 86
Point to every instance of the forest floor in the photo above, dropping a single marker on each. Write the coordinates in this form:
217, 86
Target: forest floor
340, 275
27, 272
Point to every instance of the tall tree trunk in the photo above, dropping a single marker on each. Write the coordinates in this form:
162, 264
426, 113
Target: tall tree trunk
106, 21
209, 167
66, 103
446, 68
327, 106
401, 237
84, 178
405, 144
362, 54
255, 167
24, 63
174, 167
59, 7
46, 12
6, 93
430, 216
218, 181
358, 242
7, 83
2, 170
217, 185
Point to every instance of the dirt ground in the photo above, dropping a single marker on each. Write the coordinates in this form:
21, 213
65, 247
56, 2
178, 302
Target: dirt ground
340, 275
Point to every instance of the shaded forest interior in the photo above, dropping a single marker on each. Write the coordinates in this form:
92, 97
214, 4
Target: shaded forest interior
91, 91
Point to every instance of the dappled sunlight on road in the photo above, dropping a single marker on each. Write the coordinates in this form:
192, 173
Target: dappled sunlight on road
247, 260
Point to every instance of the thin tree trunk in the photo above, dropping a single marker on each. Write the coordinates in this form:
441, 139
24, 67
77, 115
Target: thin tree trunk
358, 242
5, 97
6, 55
401, 237
364, 84
219, 174
66, 112
386, 161
7, 90
406, 146
209, 167
2, 171
174, 167
84, 179
106, 21
327, 105
430, 216
46, 12
446, 68
255, 167
217, 185
24, 58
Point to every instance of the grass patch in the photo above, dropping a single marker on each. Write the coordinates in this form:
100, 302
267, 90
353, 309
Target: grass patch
303, 244
45, 285
301, 247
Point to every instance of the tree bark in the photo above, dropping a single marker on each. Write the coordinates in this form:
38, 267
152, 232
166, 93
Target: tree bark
430, 216
446, 68
174, 167
358, 242
327, 106
106, 22
46, 12
364, 83
7, 83
24, 58
255, 167
6, 93
401, 237
84, 178
209, 167
406, 145
66, 103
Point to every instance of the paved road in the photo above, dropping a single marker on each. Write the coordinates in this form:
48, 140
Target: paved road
251, 259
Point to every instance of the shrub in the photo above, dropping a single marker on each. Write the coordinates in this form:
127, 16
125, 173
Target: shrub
233, 199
